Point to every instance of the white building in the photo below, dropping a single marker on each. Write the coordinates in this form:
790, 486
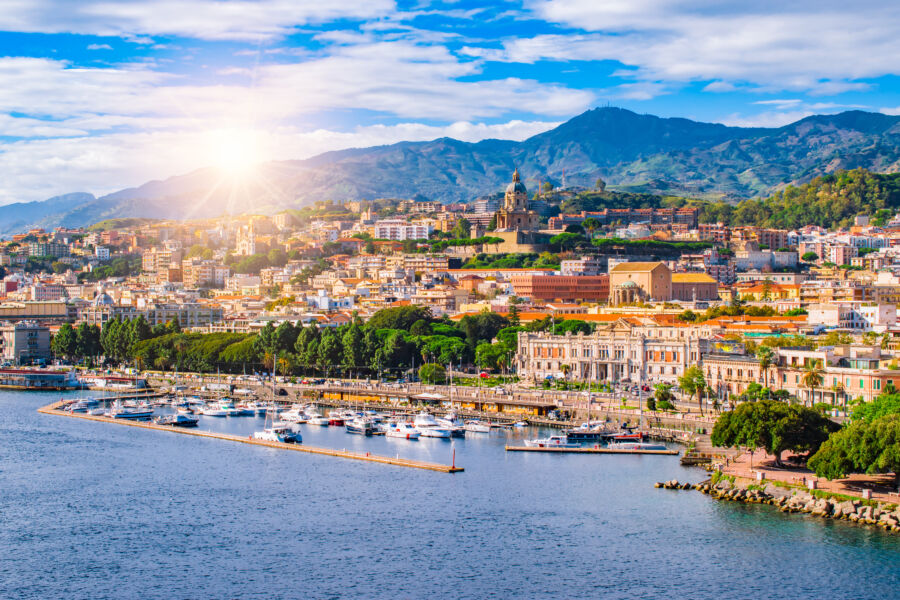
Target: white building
859, 316
101, 252
399, 230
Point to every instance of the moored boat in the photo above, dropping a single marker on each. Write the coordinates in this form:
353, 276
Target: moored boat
177, 420
554, 441
402, 430
361, 426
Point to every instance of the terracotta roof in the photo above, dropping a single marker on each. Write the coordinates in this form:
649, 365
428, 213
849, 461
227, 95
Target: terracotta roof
692, 278
627, 267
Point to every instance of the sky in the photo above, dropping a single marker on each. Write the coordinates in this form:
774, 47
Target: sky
98, 95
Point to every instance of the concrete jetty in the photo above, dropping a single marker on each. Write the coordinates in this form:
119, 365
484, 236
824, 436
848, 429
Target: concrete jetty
55, 409
590, 450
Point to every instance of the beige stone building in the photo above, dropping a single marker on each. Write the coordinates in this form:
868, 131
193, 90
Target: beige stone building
624, 350
515, 215
640, 281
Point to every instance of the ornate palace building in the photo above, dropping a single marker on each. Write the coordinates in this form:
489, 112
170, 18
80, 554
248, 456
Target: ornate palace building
625, 350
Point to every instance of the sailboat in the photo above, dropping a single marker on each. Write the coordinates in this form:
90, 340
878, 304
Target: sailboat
635, 440
271, 433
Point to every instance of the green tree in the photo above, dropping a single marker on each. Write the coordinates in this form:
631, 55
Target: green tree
773, 426
432, 373
883, 405
490, 356
461, 230
591, 225
600, 185
766, 357
861, 447
812, 378
353, 347
329, 351
693, 382
809, 257
65, 342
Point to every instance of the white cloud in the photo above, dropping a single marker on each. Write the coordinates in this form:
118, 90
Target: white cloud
205, 19
37, 169
822, 47
890, 111
99, 47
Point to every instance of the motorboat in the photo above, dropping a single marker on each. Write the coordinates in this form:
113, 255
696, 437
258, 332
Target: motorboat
336, 419
402, 430
478, 427
635, 446
628, 436
212, 410
82, 406
320, 420
277, 434
258, 408
554, 441
119, 411
520, 424
177, 420
361, 426
453, 423
427, 426
295, 415
230, 409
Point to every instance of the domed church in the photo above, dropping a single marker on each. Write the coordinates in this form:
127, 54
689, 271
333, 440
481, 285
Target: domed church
515, 216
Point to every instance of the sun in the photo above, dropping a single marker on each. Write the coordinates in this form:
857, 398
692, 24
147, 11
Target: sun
235, 152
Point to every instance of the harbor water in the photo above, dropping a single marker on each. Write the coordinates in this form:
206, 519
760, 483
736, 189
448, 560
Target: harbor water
94, 510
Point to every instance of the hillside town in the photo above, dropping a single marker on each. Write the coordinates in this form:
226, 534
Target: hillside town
618, 295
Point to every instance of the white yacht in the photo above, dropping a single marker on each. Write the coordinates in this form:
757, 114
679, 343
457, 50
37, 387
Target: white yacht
635, 446
319, 420
212, 410
427, 426
402, 430
295, 415
277, 434
478, 427
554, 441
119, 411
452, 422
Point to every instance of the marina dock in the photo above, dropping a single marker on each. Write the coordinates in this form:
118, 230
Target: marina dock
590, 450
54, 409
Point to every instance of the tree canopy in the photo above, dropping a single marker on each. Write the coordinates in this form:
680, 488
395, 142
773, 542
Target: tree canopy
773, 426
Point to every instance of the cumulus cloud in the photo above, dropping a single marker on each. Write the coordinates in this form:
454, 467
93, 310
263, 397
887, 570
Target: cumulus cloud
99, 47
203, 19
820, 47
36, 169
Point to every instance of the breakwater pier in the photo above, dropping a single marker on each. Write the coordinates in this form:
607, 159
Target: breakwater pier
56, 409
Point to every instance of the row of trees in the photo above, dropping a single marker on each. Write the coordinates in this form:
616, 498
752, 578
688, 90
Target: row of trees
393, 340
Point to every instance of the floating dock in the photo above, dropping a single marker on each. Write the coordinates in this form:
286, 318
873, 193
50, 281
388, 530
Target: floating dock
590, 450
54, 409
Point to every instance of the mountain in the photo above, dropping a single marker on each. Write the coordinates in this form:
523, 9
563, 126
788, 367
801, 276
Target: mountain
628, 150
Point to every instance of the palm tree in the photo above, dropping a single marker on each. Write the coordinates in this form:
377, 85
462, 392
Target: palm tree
812, 378
591, 225
766, 357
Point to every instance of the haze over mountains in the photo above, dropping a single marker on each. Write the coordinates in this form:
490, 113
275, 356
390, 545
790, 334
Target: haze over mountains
678, 156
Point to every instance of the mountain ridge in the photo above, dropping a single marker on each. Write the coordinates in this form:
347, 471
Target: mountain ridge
623, 147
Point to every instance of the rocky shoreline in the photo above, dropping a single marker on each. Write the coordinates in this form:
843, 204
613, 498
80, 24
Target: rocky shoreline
790, 500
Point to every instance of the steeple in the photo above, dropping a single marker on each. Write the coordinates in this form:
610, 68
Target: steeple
516, 175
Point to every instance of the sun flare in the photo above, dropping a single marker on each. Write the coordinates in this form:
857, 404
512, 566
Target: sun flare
235, 152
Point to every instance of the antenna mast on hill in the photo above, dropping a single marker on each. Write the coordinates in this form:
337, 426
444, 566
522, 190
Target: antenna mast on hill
564, 178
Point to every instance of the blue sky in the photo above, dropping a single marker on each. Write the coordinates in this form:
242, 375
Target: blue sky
99, 94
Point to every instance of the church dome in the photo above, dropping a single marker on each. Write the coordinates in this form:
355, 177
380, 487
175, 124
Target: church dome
104, 299
516, 185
